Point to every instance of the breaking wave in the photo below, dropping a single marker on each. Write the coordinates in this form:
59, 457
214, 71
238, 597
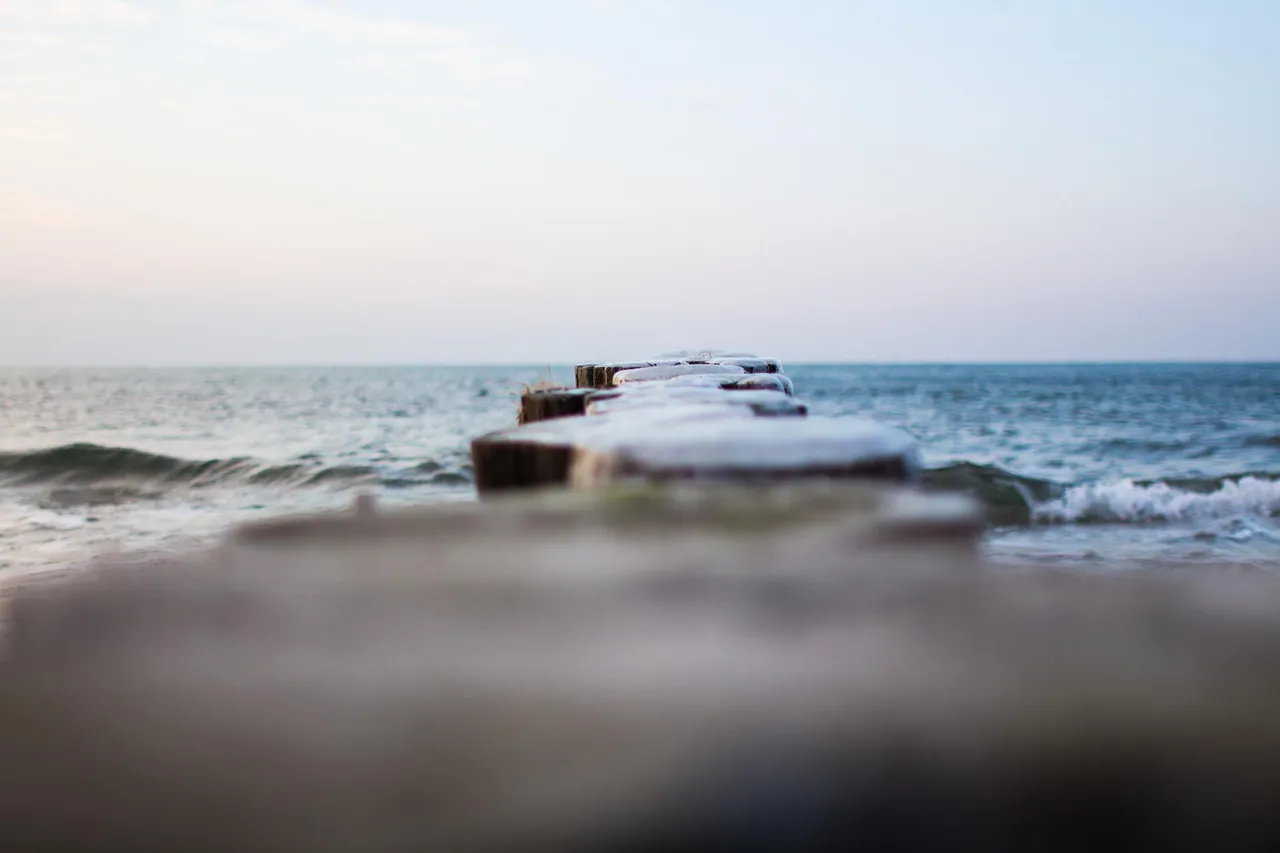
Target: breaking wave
83, 472
1144, 502
1012, 499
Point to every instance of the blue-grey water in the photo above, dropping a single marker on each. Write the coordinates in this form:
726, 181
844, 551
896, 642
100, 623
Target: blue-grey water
1083, 465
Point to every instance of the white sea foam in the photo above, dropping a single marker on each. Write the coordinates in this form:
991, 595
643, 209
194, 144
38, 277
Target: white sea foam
1126, 500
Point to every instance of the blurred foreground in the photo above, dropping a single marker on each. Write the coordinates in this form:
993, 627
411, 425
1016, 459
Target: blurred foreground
766, 668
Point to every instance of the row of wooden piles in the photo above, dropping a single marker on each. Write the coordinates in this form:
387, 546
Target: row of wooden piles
708, 417
764, 666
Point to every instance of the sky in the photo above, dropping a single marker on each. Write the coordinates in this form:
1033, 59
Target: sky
337, 182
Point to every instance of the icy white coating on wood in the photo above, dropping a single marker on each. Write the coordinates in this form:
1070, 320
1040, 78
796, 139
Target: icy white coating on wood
658, 394
639, 363
773, 443
657, 374
605, 430
725, 446
753, 381
752, 365
764, 382
706, 380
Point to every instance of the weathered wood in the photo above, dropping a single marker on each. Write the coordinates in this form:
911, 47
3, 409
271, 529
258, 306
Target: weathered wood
813, 669
539, 455
582, 375
507, 462
546, 403
689, 441
602, 374
650, 408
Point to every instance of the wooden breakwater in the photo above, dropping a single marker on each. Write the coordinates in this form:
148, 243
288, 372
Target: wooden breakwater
736, 640
722, 418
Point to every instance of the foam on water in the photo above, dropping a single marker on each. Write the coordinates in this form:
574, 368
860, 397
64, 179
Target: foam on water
1130, 501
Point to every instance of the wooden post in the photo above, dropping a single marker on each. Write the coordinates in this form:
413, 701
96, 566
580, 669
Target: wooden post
547, 403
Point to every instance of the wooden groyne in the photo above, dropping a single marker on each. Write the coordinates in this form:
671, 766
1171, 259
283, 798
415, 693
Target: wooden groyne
710, 417
741, 627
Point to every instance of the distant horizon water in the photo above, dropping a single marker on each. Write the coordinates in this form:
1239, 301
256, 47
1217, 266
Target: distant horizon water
561, 364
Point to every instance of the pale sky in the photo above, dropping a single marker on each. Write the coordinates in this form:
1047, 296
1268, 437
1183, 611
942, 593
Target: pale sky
534, 181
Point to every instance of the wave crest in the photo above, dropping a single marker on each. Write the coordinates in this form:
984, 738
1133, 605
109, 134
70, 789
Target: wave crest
1010, 499
93, 463
1145, 502
1014, 500
89, 473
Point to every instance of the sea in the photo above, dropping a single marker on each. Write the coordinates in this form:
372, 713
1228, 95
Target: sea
1087, 467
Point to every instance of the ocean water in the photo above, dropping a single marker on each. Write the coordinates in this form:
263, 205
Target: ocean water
1095, 467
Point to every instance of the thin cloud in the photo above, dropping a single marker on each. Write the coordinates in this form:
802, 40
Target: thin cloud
30, 41
44, 12
268, 25
22, 134
247, 41
357, 27
413, 102
457, 50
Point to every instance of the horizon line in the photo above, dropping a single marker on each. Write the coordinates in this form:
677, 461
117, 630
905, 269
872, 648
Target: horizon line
1153, 362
